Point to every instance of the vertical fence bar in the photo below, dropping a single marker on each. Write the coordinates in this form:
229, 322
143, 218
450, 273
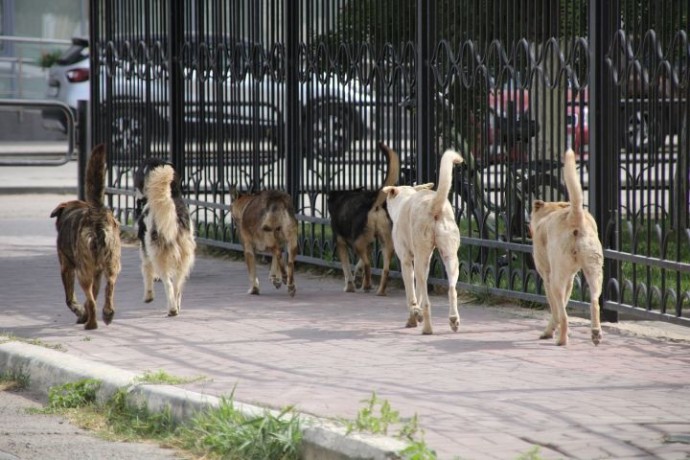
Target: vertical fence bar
293, 145
603, 17
175, 87
82, 142
427, 159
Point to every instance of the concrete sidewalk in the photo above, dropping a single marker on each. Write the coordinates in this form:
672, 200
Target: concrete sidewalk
490, 391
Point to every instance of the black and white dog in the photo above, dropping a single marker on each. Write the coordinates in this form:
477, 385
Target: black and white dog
166, 235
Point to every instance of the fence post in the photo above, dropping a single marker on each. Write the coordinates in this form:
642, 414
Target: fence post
83, 148
292, 132
426, 155
603, 189
176, 88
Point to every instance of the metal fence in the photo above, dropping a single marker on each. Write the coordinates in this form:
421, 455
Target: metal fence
296, 94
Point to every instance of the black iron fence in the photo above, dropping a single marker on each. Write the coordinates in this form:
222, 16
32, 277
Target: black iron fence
296, 94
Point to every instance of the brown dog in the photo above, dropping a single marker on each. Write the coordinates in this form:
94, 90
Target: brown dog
266, 222
88, 245
357, 218
565, 241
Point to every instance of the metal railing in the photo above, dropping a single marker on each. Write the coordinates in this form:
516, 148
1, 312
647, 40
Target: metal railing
258, 95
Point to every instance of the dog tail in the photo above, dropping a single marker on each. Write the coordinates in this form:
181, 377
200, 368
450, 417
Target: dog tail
573, 186
393, 172
95, 177
160, 203
445, 178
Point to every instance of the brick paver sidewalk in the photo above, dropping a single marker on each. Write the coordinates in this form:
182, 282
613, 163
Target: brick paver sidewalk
491, 391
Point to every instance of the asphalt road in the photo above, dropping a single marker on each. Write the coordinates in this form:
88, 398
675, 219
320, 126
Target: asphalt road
30, 436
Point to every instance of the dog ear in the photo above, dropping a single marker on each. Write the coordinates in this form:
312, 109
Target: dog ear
234, 193
390, 190
537, 205
427, 186
57, 211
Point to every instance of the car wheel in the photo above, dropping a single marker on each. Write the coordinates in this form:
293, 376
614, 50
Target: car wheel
328, 132
639, 132
129, 135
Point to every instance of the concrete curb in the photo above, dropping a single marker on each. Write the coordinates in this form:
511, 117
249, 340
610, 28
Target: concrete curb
46, 368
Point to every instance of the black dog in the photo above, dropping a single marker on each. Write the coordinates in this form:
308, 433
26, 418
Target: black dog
357, 218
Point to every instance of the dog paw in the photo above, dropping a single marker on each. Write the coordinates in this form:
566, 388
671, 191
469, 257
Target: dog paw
253, 290
427, 332
108, 316
561, 342
277, 282
292, 290
418, 315
82, 319
411, 322
381, 293
173, 312
148, 297
90, 325
454, 323
596, 336
546, 335
350, 287
366, 288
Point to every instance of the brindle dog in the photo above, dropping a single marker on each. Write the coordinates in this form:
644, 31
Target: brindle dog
266, 222
358, 217
88, 245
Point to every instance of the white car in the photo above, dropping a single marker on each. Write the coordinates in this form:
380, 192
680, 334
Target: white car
68, 81
334, 114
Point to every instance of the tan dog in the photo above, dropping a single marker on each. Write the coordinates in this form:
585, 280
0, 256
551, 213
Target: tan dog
166, 234
424, 220
565, 241
358, 217
88, 245
266, 222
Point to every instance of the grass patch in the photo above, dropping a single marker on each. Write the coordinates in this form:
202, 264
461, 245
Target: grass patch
73, 395
14, 381
160, 377
378, 417
227, 433
38, 342
221, 432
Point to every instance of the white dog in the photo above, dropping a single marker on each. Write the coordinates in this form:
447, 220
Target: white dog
424, 220
565, 241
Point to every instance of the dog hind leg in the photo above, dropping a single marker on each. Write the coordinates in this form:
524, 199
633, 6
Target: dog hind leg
250, 260
109, 305
170, 294
70, 296
450, 261
147, 272
558, 294
594, 280
292, 255
277, 275
341, 248
362, 251
415, 314
387, 243
86, 283
421, 273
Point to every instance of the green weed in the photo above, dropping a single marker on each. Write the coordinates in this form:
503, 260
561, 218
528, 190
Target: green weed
226, 432
73, 395
160, 377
